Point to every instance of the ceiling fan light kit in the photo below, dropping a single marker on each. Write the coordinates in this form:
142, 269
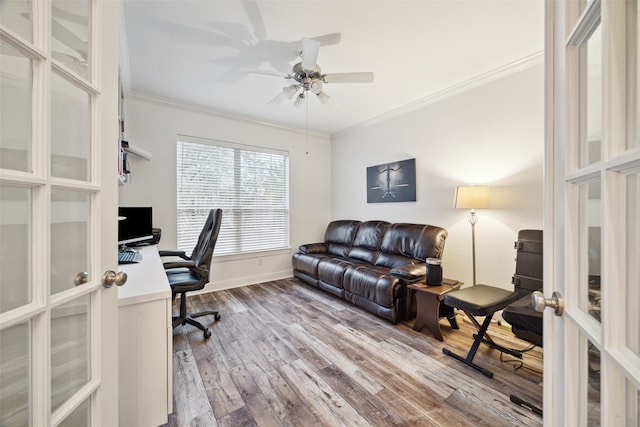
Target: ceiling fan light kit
309, 77
299, 102
323, 98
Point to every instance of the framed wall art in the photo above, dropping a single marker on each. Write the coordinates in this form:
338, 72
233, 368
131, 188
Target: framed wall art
392, 182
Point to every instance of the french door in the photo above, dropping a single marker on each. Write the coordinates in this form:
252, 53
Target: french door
592, 215
58, 198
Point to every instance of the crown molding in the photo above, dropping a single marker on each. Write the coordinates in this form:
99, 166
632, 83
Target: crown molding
479, 80
222, 114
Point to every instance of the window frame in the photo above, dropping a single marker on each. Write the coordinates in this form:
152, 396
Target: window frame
239, 208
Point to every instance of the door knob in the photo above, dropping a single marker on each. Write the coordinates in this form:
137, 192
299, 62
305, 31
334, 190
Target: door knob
539, 302
81, 278
110, 277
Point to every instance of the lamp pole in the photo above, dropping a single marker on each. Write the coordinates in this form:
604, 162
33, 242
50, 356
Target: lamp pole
473, 219
472, 197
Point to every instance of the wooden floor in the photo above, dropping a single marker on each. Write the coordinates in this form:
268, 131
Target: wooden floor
286, 354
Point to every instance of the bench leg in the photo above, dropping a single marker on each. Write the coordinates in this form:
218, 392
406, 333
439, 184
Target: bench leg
491, 343
474, 348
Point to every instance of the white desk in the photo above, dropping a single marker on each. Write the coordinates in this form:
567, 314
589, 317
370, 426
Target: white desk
145, 343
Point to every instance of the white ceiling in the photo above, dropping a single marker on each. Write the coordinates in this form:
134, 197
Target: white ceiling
219, 54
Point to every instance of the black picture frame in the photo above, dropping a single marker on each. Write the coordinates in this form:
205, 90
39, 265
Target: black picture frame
392, 182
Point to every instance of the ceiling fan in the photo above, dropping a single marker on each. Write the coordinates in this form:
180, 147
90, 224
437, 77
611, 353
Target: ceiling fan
309, 78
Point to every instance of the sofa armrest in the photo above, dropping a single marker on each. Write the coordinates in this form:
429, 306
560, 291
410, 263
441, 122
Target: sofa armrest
313, 248
410, 272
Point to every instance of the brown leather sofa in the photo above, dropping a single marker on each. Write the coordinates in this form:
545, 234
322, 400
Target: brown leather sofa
370, 263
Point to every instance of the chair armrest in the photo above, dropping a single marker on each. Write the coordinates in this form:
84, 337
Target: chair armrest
410, 272
180, 254
313, 248
178, 264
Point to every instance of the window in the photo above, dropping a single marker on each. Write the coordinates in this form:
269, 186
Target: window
250, 184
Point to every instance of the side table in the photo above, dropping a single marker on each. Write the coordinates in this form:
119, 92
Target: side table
429, 309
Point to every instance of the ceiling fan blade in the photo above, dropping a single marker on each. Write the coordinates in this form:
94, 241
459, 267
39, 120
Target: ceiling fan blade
364, 77
255, 17
278, 99
328, 39
310, 50
288, 92
266, 72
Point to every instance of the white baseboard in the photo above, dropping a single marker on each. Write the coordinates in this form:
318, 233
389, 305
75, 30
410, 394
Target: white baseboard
221, 285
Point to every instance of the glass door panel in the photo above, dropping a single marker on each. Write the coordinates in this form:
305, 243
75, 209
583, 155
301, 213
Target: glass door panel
17, 16
70, 30
589, 261
15, 375
633, 266
78, 418
632, 404
15, 254
70, 351
590, 59
70, 130
590, 374
16, 86
70, 243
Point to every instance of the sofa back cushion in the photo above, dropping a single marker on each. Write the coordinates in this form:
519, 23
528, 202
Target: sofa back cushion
413, 241
339, 236
366, 245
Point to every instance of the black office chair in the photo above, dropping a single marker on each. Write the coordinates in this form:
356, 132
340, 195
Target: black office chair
192, 272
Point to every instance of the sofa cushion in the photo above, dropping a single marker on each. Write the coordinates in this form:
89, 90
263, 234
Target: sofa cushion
393, 260
366, 245
370, 234
415, 241
371, 283
306, 263
363, 254
339, 236
331, 271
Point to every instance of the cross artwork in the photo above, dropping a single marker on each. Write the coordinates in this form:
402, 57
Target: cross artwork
392, 182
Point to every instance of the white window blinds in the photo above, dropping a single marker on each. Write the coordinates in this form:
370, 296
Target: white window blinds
251, 186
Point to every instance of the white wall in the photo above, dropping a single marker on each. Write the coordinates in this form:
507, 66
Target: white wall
492, 134
154, 125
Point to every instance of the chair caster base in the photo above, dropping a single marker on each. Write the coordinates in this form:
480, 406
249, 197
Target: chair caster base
186, 318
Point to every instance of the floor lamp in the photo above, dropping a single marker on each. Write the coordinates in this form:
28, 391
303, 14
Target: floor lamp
472, 197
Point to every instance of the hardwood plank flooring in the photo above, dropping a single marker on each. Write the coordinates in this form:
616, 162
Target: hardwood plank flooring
286, 354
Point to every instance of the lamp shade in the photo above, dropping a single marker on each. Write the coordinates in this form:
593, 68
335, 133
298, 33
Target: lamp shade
472, 197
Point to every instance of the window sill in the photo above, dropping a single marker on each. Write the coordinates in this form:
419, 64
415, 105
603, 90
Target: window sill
250, 255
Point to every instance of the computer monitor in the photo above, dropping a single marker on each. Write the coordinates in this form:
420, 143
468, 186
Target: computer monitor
134, 225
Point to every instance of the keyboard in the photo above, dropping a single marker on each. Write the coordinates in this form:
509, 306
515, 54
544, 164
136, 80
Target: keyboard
128, 257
